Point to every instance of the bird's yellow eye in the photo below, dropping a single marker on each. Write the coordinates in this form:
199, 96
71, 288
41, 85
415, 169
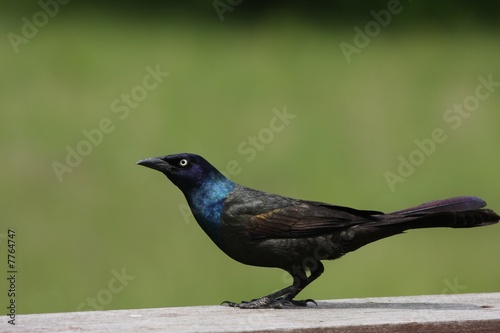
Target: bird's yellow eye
183, 163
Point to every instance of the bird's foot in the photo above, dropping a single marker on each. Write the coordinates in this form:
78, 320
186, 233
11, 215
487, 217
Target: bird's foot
267, 302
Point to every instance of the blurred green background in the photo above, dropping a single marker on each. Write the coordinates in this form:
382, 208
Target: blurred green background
78, 231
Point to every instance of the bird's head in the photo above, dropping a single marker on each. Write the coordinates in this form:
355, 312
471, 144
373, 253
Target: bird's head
186, 171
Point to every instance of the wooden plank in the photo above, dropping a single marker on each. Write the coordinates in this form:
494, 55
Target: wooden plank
478, 313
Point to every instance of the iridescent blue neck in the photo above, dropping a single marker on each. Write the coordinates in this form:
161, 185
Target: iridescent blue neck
207, 203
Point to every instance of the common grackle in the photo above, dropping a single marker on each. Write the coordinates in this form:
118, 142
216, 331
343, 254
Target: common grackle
269, 230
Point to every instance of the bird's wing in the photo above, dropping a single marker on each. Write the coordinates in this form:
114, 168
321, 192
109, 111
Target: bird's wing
306, 219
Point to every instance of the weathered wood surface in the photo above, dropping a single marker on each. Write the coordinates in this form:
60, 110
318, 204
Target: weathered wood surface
476, 313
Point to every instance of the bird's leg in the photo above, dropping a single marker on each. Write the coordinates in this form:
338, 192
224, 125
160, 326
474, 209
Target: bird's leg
300, 283
285, 297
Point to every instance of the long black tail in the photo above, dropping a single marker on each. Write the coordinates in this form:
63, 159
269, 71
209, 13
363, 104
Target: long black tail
458, 212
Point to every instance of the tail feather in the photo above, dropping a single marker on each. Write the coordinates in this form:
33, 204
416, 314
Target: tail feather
458, 212
457, 204
451, 219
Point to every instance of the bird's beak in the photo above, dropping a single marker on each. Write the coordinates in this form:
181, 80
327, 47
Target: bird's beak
155, 163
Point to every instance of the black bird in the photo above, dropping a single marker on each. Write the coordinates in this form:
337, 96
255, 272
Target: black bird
269, 230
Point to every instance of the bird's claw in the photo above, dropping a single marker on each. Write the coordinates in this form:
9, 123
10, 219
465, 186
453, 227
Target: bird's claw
230, 304
301, 303
259, 303
270, 303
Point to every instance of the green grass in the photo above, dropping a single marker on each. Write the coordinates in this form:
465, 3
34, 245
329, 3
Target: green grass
352, 122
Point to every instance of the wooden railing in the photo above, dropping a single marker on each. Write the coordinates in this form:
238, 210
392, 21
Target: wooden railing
477, 313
